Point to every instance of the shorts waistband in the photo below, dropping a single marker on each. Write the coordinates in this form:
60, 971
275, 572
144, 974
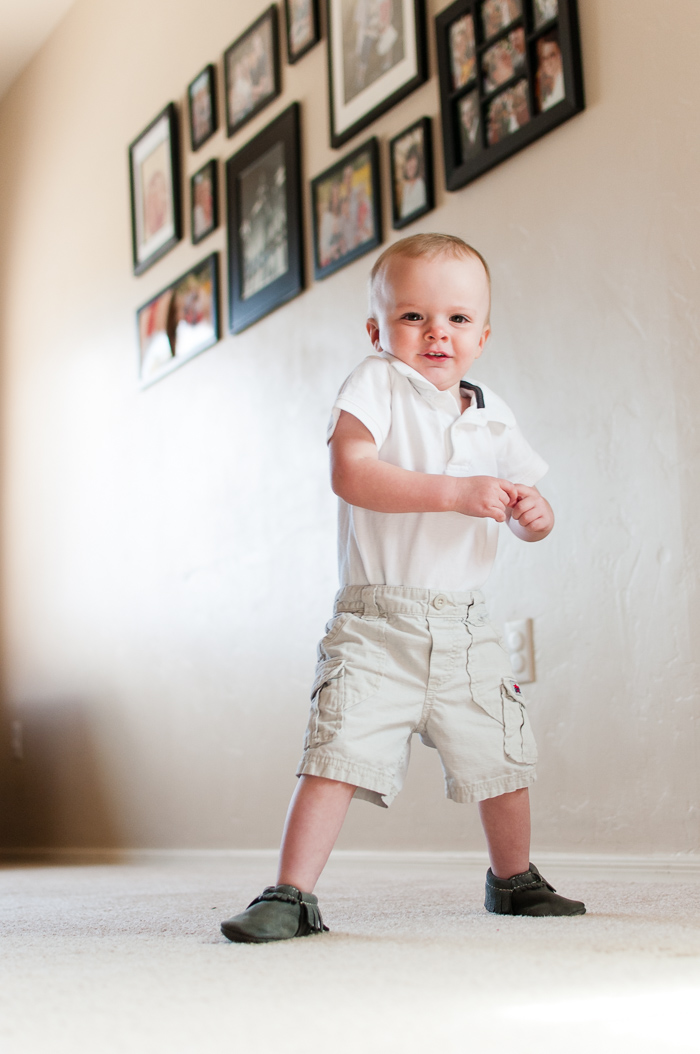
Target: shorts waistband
373, 601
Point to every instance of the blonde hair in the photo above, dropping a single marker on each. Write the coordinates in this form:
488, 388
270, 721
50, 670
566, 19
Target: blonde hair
430, 246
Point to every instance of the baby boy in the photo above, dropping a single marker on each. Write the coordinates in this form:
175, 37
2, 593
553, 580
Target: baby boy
426, 465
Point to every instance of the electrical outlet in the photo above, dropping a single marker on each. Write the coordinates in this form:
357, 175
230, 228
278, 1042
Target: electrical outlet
518, 637
17, 741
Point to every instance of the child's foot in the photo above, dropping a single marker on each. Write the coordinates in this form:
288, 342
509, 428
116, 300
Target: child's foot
527, 894
279, 913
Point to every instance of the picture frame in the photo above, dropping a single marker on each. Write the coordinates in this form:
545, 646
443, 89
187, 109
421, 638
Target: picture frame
346, 207
522, 77
303, 22
154, 181
202, 108
264, 221
204, 201
179, 322
411, 163
252, 76
372, 66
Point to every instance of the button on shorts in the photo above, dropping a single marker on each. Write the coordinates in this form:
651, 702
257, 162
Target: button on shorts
397, 660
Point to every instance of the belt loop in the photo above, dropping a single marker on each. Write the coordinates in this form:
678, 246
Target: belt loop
369, 600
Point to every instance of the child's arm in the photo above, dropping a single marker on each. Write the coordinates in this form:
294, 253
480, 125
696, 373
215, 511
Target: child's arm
531, 518
360, 478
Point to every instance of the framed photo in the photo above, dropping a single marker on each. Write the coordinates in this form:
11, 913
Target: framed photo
545, 11
303, 27
265, 237
510, 71
376, 56
504, 60
154, 172
252, 71
462, 51
499, 14
179, 322
204, 201
411, 156
346, 203
201, 102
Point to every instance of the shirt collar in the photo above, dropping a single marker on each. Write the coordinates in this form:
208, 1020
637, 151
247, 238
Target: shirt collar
494, 409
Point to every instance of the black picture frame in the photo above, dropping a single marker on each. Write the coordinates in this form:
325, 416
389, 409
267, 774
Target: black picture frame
263, 184
412, 198
179, 322
204, 201
354, 180
367, 77
202, 108
311, 32
492, 98
154, 180
247, 93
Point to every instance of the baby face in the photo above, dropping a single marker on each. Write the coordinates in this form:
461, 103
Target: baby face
432, 314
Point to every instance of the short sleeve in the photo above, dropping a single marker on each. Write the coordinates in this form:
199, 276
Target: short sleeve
366, 394
517, 461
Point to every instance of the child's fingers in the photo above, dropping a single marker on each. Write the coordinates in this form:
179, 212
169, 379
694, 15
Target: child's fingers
527, 511
511, 490
522, 507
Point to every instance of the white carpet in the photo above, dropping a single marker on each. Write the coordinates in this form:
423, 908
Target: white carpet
129, 958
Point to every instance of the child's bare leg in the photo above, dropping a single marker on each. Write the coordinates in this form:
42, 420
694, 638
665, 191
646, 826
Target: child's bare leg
506, 823
316, 813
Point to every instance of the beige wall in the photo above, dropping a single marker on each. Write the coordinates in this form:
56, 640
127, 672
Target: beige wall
168, 555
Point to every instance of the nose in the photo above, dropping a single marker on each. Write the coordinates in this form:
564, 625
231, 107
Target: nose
435, 332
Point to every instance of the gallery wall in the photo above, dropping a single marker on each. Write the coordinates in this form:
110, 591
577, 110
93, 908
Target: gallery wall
168, 555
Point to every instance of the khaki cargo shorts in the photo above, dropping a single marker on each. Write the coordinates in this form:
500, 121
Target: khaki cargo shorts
395, 661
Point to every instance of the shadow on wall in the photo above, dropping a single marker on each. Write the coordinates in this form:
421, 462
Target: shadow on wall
55, 795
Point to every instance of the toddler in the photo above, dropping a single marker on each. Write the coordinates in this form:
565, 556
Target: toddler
426, 465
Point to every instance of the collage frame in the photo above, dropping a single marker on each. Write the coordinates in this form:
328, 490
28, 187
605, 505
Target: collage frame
464, 163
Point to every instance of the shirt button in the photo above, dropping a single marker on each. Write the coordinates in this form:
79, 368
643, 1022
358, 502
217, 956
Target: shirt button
439, 601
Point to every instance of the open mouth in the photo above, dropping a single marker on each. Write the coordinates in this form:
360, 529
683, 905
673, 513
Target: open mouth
435, 355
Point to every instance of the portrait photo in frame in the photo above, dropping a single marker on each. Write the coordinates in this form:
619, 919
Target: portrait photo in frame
303, 22
411, 159
252, 77
201, 103
346, 206
204, 201
179, 322
527, 80
154, 177
264, 221
376, 56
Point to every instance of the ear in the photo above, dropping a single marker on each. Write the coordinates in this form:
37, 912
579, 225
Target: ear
373, 330
482, 340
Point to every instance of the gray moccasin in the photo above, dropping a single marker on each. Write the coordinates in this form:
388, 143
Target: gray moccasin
280, 912
527, 894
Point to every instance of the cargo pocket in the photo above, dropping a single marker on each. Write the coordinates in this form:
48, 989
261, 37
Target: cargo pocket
327, 696
518, 740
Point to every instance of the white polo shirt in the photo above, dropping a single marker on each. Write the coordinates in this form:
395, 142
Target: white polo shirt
418, 427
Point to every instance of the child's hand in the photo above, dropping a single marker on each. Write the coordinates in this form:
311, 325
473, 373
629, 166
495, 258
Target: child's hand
485, 496
532, 512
